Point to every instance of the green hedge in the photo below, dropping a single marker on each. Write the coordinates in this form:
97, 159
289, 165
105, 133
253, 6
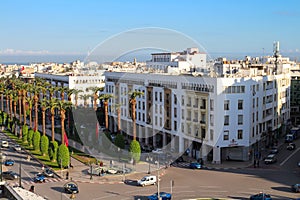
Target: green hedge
30, 137
44, 144
36, 140
120, 142
52, 151
25, 133
63, 157
135, 150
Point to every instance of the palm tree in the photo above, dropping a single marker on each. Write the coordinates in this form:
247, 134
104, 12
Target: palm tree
76, 92
62, 106
51, 91
118, 109
105, 98
29, 100
62, 91
52, 105
15, 101
133, 96
35, 91
7, 92
11, 96
95, 94
44, 104
85, 97
2, 89
25, 88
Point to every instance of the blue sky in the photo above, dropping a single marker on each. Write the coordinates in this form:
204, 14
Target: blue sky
75, 27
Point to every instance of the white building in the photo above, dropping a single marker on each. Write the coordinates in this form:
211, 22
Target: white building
187, 61
213, 117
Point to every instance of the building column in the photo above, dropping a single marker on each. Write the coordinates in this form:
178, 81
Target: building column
216, 155
164, 138
181, 144
204, 151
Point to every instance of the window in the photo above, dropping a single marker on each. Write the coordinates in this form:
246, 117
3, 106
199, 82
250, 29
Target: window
240, 119
155, 96
211, 105
240, 134
175, 99
175, 112
226, 120
226, 105
226, 135
240, 104
211, 119
175, 125
211, 134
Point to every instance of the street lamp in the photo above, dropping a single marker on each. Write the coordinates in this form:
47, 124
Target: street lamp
91, 168
1, 165
158, 195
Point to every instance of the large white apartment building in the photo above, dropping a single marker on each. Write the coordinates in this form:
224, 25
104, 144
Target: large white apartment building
213, 117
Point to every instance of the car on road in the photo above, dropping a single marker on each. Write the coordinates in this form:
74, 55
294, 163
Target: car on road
146, 148
296, 187
17, 147
48, 172
71, 187
163, 196
260, 196
158, 151
4, 144
299, 164
147, 180
39, 178
10, 175
274, 150
271, 158
195, 165
9, 162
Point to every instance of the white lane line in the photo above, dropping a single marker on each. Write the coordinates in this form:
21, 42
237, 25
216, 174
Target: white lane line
104, 197
283, 162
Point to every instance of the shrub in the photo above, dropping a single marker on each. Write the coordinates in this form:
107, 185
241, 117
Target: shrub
25, 133
4, 119
36, 140
52, 151
30, 137
63, 157
1, 119
44, 144
120, 142
135, 151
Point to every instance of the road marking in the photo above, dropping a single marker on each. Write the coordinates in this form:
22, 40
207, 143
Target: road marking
283, 162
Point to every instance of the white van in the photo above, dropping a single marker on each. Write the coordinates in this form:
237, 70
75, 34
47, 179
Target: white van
4, 144
147, 180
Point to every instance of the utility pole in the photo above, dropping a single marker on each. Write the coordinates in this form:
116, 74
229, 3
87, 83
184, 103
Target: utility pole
20, 172
158, 195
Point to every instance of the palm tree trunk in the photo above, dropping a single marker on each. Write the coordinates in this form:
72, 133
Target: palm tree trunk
52, 126
44, 121
62, 113
119, 120
20, 107
36, 112
106, 114
133, 102
30, 116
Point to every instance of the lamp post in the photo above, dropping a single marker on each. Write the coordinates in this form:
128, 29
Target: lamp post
157, 162
1, 165
91, 168
20, 171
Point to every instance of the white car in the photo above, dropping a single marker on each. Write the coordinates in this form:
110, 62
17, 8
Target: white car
4, 144
147, 180
17, 147
159, 151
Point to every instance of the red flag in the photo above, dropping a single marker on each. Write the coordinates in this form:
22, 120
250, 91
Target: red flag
66, 140
97, 129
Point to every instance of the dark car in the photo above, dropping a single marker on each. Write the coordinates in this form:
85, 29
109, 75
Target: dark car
146, 148
163, 195
260, 196
10, 175
71, 188
291, 146
39, 178
195, 165
9, 162
48, 172
274, 151
296, 187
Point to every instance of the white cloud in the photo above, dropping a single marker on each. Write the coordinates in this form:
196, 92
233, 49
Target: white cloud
22, 52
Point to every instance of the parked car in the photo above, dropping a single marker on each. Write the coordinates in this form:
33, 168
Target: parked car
271, 158
39, 178
291, 146
274, 150
146, 148
71, 187
17, 147
260, 196
158, 151
147, 180
299, 164
195, 165
10, 175
163, 195
9, 162
48, 172
4, 144
296, 187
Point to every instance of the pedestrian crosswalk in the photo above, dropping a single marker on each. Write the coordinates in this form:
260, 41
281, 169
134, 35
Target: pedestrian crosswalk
30, 182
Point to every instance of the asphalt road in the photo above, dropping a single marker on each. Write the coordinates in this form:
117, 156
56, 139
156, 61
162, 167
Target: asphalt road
275, 179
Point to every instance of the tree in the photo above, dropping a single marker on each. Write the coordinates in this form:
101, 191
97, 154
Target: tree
44, 145
2, 89
52, 151
30, 137
135, 151
84, 97
133, 96
29, 100
52, 105
95, 94
25, 133
36, 140
120, 142
44, 104
76, 92
105, 98
63, 157
62, 106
